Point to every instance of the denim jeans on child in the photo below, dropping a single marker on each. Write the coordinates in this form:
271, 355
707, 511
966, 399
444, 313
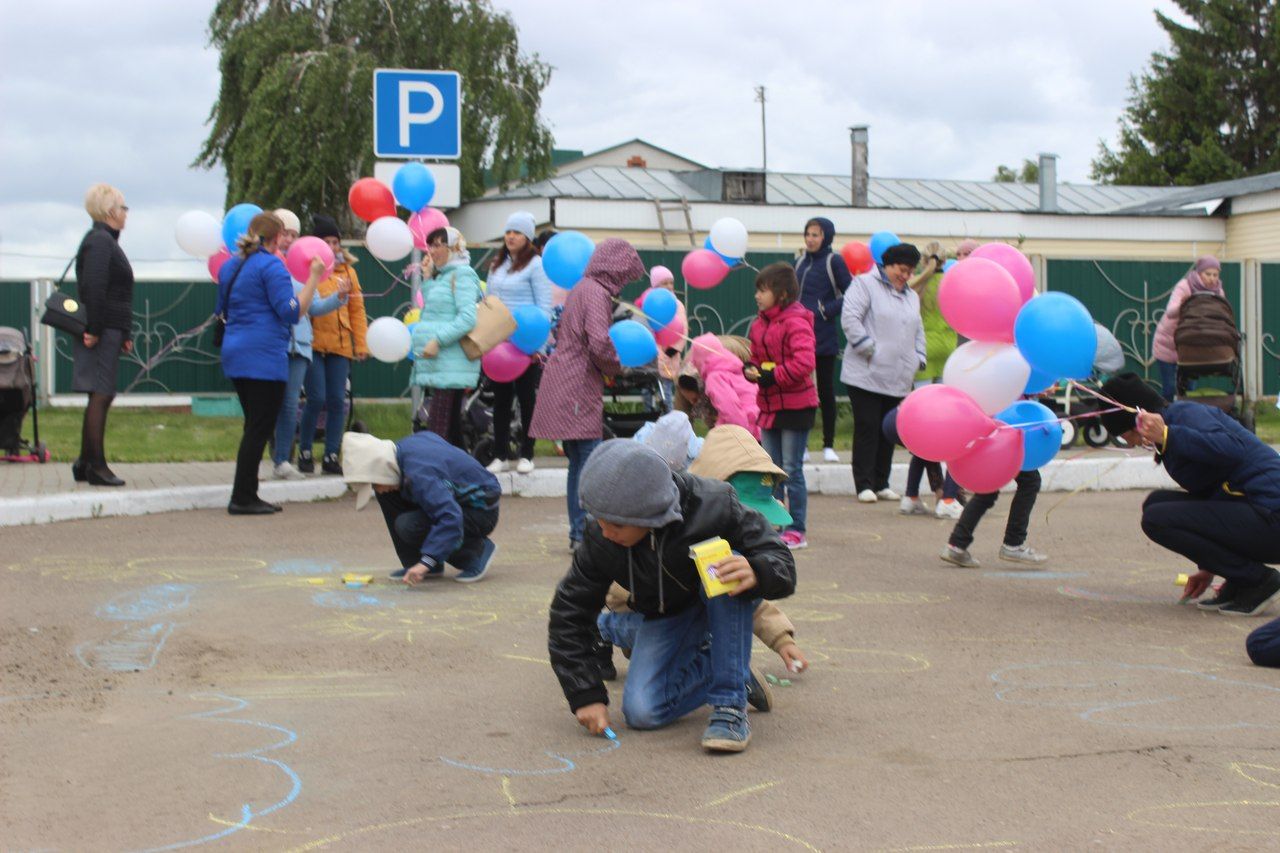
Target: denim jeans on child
700, 656
287, 420
786, 448
577, 451
326, 389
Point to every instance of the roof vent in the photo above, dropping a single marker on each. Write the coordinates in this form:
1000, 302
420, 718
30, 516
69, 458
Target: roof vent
743, 187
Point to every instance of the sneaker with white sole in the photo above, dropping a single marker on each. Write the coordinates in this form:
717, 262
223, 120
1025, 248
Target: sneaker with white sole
1253, 600
794, 539
959, 557
759, 696
912, 506
285, 471
866, 496
524, 466
1022, 554
1221, 597
887, 494
477, 570
727, 730
829, 455
805, 458
497, 466
948, 508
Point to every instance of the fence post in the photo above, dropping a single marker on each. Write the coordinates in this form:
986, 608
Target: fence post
1251, 326
42, 338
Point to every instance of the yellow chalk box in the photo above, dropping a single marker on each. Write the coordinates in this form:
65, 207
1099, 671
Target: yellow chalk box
1181, 580
705, 555
357, 580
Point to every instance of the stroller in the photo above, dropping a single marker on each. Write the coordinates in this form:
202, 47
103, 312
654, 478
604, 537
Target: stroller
1208, 344
632, 398
1108, 359
17, 396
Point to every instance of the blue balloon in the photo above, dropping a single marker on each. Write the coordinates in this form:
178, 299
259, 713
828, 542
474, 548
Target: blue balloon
1041, 431
236, 224
660, 306
732, 262
1038, 382
634, 342
1056, 336
951, 262
532, 328
565, 257
414, 186
880, 241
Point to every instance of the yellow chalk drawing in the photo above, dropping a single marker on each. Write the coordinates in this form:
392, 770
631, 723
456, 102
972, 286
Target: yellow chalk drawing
805, 615
764, 786
506, 791
78, 568
865, 661
1239, 767
1217, 811
979, 845
403, 623
242, 825
870, 598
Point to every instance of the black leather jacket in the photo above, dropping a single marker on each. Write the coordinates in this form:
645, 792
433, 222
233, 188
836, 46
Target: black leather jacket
658, 574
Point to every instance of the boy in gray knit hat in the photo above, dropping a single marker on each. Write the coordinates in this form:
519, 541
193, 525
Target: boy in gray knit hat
692, 650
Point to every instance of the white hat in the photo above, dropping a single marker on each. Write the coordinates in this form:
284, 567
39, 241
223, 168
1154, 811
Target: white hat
289, 218
366, 460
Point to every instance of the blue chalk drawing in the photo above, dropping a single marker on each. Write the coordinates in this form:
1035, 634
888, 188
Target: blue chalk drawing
148, 603
131, 649
303, 567
346, 601
564, 763
247, 812
1036, 576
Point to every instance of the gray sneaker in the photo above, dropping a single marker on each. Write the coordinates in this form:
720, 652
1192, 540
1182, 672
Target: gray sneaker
1022, 554
286, 471
727, 730
959, 557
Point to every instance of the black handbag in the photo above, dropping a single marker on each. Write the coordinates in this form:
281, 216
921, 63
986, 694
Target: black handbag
64, 312
220, 317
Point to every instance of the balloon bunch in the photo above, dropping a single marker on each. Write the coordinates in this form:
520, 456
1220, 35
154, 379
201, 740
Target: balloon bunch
1020, 344
388, 237
509, 360
724, 249
202, 236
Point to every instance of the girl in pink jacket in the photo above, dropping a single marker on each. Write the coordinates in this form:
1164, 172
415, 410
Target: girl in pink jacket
730, 394
1204, 277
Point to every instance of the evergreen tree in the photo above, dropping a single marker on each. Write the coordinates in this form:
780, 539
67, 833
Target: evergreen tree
293, 121
1209, 108
1030, 173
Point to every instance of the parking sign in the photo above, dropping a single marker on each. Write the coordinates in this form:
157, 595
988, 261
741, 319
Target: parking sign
417, 113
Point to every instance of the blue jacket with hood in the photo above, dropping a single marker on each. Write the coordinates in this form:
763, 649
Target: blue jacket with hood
823, 279
1213, 457
441, 480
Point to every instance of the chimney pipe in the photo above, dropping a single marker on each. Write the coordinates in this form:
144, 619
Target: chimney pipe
1048, 183
858, 139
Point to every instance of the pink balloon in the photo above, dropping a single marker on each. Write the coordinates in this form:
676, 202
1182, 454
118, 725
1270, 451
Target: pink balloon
1014, 262
417, 298
298, 260
994, 460
506, 363
937, 422
215, 263
704, 269
980, 300
423, 223
672, 334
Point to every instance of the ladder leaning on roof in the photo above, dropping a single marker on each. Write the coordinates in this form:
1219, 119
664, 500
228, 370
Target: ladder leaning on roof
682, 206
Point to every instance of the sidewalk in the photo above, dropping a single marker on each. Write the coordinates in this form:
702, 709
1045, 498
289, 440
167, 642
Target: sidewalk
38, 494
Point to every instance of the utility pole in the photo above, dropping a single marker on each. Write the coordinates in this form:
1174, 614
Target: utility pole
764, 138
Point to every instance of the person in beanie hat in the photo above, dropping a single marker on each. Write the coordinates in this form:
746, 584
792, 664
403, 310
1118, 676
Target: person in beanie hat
1204, 277
439, 503
1227, 519
690, 650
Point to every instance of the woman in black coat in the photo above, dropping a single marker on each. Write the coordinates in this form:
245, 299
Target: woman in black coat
104, 281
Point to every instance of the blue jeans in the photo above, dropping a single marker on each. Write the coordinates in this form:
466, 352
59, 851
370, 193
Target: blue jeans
679, 663
786, 448
1263, 645
287, 420
327, 390
1168, 379
577, 451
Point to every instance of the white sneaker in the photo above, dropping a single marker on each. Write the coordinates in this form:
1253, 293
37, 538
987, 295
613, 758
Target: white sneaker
805, 458
912, 506
524, 466
497, 466
1022, 554
286, 471
948, 509
867, 496
829, 454
888, 495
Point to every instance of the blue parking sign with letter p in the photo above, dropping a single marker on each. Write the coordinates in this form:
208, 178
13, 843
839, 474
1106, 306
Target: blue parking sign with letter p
417, 113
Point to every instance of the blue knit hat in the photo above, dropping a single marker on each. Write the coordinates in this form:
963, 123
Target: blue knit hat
523, 222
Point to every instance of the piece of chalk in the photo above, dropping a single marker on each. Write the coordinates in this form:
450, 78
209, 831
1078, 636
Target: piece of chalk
786, 682
315, 580
1181, 580
608, 732
772, 679
796, 666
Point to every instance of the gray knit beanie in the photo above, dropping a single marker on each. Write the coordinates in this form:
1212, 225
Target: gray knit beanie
626, 482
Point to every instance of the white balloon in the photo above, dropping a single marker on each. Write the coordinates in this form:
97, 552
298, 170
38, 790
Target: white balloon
198, 233
729, 237
389, 238
388, 340
993, 374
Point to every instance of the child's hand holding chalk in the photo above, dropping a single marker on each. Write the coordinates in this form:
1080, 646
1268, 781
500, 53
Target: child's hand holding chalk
594, 718
792, 658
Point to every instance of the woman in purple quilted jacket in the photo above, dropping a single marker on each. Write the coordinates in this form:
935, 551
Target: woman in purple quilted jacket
570, 405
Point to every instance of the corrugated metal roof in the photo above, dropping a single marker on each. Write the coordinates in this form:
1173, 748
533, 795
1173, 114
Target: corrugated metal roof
1179, 196
796, 188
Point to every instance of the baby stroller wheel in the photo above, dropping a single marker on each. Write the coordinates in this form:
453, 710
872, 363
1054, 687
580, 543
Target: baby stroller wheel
42, 453
483, 451
1096, 435
1068, 434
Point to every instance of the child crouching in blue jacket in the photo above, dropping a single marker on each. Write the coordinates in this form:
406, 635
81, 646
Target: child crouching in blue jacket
439, 503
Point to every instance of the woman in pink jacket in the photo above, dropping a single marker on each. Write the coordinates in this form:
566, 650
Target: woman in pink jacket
570, 406
783, 358
730, 394
1204, 277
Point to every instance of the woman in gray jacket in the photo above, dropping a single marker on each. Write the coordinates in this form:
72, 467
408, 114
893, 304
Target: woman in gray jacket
885, 349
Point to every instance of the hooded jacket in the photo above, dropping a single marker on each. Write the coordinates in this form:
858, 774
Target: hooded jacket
1162, 347
341, 332
571, 397
1214, 458
448, 313
659, 575
784, 335
720, 372
824, 277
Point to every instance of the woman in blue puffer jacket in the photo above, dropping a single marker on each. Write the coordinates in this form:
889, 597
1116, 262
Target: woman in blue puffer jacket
823, 279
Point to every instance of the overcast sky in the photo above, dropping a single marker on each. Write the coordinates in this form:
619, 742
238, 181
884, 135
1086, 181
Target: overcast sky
119, 92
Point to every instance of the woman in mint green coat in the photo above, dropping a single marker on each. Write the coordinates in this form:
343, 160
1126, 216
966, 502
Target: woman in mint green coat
449, 297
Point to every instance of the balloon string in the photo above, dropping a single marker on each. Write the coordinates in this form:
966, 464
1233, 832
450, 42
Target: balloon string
684, 338
1060, 420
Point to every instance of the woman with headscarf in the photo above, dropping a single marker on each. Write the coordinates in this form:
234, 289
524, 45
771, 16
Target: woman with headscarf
449, 297
1204, 277
104, 283
824, 277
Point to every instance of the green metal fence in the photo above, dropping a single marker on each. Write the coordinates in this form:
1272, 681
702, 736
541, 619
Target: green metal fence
1270, 347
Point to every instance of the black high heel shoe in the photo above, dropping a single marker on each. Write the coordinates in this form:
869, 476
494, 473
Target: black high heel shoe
102, 478
78, 471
